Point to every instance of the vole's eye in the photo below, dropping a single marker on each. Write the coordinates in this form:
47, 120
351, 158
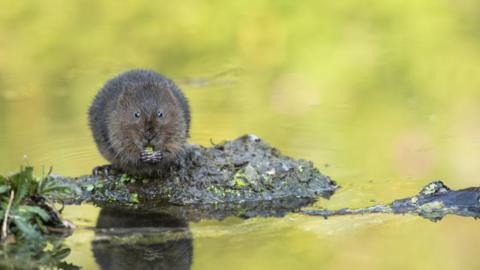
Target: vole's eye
159, 114
137, 114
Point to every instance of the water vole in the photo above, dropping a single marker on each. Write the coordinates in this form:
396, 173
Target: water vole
140, 121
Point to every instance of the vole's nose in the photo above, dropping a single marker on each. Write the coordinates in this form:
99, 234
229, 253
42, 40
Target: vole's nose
150, 134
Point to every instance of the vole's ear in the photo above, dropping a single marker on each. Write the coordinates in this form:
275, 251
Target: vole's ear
124, 99
127, 93
169, 93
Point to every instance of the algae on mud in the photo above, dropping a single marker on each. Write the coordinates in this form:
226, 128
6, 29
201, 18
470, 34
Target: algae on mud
240, 171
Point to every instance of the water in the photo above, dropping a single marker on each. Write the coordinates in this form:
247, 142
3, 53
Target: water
381, 95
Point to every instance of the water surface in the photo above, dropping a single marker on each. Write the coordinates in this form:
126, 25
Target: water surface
381, 95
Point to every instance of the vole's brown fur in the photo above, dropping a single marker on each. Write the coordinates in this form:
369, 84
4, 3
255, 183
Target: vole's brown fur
136, 110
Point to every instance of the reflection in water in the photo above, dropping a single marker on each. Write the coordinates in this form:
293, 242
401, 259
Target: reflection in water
138, 239
220, 211
157, 236
227, 78
48, 253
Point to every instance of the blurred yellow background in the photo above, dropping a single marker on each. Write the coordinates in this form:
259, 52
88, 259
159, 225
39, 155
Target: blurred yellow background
384, 96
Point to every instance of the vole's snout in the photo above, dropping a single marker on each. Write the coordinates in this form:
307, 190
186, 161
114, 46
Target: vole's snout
149, 134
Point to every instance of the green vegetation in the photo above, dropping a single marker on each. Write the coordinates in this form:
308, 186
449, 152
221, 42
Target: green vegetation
31, 227
50, 255
27, 212
112, 189
239, 180
149, 150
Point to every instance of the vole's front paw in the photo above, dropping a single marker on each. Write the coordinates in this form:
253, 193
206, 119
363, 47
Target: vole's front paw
151, 157
104, 170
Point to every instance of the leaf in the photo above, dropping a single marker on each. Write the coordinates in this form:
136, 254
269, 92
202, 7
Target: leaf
50, 186
61, 254
23, 183
3, 180
4, 189
34, 210
68, 266
27, 230
53, 189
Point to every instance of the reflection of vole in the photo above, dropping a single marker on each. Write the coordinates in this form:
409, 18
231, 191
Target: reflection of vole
140, 121
128, 239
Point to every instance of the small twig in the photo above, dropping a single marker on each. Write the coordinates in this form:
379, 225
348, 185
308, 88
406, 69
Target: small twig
212, 142
63, 206
5, 218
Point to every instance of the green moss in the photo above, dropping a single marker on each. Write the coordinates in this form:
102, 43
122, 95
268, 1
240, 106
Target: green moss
89, 187
134, 198
430, 189
239, 180
215, 190
432, 206
99, 185
239, 183
112, 189
414, 200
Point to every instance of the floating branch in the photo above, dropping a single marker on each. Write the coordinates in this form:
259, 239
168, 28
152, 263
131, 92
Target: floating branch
434, 201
